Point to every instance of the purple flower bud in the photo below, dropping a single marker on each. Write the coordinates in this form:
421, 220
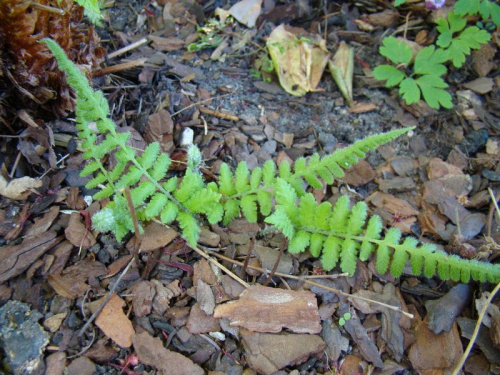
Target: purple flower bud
434, 4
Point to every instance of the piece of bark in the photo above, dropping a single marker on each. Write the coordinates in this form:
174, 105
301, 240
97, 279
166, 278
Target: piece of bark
14, 260
264, 309
267, 353
152, 353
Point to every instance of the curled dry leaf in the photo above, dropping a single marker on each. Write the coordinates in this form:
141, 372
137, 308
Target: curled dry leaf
298, 61
19, 188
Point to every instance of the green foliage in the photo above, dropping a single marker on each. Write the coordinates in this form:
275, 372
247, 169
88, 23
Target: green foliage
487, 9
425, 81
455, 41
459, 46
92, 10
344, 319
339, 234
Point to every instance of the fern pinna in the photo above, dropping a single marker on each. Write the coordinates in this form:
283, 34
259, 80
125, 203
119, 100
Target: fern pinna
338, 234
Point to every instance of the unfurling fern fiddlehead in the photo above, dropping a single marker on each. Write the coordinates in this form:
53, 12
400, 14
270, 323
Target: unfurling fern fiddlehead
338, 233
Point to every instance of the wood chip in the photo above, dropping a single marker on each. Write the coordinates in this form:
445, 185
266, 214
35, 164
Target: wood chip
265, 309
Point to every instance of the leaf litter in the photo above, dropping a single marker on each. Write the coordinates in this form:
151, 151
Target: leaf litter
189, 318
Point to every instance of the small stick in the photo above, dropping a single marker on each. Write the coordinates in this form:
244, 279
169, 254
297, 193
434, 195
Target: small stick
222, 115
476, 330
130, 47
247, 258
337, 291
275, 267
119, 67
217, 264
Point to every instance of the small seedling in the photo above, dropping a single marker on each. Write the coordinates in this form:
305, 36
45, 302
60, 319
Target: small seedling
346, 317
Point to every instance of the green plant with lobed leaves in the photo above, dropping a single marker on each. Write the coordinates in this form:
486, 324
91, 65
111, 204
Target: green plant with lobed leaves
336, 234
422, 77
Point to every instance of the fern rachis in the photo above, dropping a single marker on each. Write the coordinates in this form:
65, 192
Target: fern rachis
338, 234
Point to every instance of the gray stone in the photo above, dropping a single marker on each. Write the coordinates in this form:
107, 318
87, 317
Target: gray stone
22, 338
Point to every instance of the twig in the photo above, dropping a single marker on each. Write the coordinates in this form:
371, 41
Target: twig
217, 264
130, 47
120, 67
196, 104
476, 330
247, 258
337, 291
275, 267
111, 292
222, 115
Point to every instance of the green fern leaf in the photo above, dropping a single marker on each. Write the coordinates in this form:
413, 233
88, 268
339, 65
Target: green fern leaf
231, 211
265, 202
242, 173
443, 269
117, 172
316, 245
191, 183
313, 180
226, 185
399, 260
300, 166
322, 215
169, 213
249, 207
216, 214
357, 218
130, 178
190, 228
104, 193
96, 181
383, 259
157, 203
170, 185
348, 256
268, 172
285, 170
299, 242
282, 222
256, 178
430, 264
331, 252
307, 207
90, 168
160, 168
326, 175
142, 192
149, 155
340, 215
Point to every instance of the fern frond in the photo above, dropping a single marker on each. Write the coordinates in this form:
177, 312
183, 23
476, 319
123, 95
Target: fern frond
190, 227
149, 155
249, 207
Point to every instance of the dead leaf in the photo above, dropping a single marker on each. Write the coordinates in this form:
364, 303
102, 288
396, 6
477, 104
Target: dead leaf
142, 301
114, 323
19, 188
482, 85
433, 353
246, 11
78, 234
42, 224
265, 309
155, 236
342, 69
299, 62
14, 260
166, 44
152, 353
199, 322
205, 297
391, 333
